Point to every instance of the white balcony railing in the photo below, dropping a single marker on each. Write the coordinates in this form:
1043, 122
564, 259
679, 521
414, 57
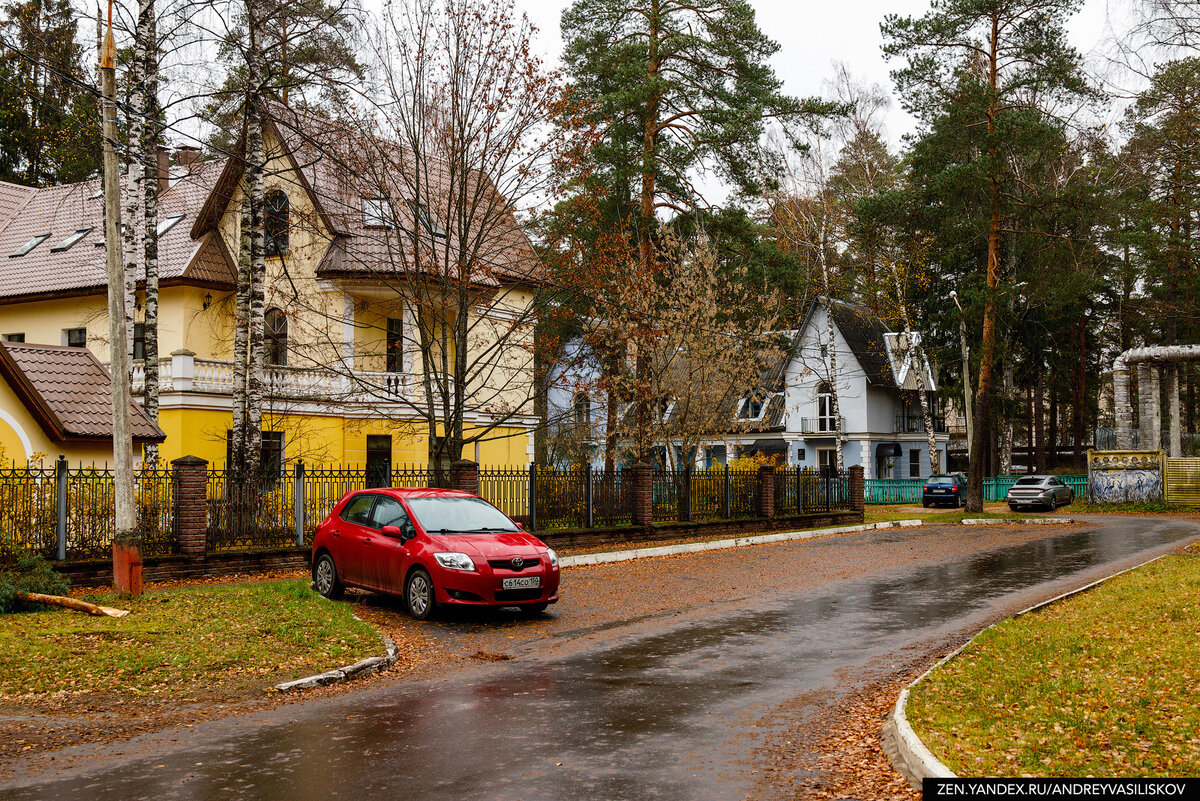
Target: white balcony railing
184, 372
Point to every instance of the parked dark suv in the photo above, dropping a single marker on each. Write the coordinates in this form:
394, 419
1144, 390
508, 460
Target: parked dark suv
949, 488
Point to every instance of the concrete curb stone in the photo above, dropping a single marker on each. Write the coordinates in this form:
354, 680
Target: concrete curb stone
716, 545
1007, 521
363, 667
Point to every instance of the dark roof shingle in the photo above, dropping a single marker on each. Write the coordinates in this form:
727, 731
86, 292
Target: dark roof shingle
68, 392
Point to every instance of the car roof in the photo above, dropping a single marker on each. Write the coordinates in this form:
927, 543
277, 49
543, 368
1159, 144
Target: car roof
419, 492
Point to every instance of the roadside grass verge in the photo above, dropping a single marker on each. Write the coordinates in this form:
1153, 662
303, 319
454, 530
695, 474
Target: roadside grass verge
884, 513
1145, 508
1100, 684
178, 645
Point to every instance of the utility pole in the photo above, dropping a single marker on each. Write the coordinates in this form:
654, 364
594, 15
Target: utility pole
966, 367
127, 563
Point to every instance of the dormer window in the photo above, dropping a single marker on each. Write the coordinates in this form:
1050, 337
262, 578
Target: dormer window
751, 407
665, 406
275, 223
582, 408
168, 223
421, 215
66, 244
30, 245
376, 212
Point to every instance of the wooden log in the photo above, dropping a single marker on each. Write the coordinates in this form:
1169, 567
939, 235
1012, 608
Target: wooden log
71, 603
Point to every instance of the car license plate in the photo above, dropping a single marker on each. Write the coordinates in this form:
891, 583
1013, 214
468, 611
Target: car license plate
521, 583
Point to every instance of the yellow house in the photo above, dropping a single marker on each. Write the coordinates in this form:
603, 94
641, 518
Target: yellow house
348, 356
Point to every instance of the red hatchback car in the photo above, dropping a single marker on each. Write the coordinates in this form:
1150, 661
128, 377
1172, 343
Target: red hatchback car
432, 547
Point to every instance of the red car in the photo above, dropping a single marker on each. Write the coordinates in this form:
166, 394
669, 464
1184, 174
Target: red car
433, 547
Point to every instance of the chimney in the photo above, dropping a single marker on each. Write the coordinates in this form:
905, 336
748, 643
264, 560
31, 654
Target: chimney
164, 169
187, 155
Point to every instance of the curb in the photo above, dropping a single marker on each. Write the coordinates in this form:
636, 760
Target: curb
715, 545
337, 675
1007, 521
912, 758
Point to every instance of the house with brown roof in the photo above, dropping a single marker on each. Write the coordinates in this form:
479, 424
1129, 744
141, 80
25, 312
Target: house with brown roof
347, 331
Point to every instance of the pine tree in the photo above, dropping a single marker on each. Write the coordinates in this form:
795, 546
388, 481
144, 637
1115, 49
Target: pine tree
50, 120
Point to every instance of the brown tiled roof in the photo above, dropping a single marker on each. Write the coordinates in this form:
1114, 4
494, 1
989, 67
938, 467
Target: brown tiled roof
68, 392
62, 210
339, 165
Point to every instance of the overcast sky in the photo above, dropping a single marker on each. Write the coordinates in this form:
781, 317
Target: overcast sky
813, 34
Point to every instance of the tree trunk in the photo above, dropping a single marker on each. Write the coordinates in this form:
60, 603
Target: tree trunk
1079, 395
1005, 422
1052, 458
1039, 421
135, 184
987, 355
150, 232
646, 230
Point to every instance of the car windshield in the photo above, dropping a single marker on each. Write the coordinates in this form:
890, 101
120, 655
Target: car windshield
940, 480
451, 515
1025, 482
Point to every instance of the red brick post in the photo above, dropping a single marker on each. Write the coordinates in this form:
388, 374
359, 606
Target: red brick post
191, 504
858, 488
766, 491
643, 494
464, 475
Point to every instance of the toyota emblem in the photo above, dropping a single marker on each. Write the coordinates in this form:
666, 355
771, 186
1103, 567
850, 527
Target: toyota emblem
517, 562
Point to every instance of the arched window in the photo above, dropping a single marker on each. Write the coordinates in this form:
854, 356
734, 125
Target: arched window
275, 223
275, 347
825, 421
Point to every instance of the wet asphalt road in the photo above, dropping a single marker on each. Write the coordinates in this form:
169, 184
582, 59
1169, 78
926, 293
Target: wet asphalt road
670, 709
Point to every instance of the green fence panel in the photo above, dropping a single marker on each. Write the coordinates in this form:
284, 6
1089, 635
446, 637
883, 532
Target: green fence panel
894, 490
996, 489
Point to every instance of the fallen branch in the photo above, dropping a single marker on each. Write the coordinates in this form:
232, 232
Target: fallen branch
71, 603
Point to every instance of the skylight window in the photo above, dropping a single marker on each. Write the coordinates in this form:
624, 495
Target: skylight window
168, 223
66, 244
28, 246
426, 219
375, 212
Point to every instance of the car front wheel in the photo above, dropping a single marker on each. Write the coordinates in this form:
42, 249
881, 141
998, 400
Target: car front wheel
325, 577
419, 595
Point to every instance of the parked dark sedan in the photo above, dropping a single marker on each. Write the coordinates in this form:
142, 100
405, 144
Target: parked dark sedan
948, 488
1050, 492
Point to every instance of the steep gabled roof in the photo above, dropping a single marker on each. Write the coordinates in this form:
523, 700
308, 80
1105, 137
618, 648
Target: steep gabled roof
338, 166
60, 211
68, 392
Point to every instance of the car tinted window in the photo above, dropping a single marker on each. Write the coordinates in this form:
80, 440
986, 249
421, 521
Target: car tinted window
389, 512
1025, 482
459, 515
947, 480
358, 510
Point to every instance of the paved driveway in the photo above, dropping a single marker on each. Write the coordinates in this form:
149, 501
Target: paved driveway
656, 679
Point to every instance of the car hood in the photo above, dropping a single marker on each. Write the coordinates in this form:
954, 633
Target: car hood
490, 546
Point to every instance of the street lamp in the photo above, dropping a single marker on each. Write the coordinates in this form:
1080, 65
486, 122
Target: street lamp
966, 367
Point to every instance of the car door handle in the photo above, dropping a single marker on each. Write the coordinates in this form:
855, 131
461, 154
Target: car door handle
336, 533
365, 540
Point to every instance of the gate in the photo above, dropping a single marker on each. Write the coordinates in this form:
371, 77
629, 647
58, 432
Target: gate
1183, 481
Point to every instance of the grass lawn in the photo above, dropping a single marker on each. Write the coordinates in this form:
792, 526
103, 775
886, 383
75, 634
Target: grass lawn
189, 643
883, 513
1102, 684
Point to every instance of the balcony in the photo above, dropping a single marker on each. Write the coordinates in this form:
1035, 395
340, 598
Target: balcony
915, 424
186, 373
821, 425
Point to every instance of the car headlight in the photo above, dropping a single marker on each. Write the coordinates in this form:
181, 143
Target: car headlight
454, 561
553, 557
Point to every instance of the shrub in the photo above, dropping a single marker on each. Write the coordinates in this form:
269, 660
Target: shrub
31, 573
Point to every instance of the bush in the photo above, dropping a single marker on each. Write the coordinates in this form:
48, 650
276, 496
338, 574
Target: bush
31, 573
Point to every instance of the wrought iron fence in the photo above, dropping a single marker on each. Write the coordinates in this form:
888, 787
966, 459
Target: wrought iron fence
28, 518
259, 512
508, 489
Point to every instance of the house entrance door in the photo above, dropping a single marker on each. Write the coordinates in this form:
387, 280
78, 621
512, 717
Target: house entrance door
379, 461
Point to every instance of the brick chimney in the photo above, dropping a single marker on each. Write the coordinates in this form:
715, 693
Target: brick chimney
187, 155
164, 169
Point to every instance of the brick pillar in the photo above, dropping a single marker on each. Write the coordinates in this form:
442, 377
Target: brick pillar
766, 491
191, 504
643, 494
464, 475
858, 488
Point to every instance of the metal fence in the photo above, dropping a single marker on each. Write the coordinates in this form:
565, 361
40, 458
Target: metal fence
68, 513
908, 490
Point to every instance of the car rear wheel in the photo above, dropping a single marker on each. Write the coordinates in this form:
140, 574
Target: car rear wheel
325, 577
419, 595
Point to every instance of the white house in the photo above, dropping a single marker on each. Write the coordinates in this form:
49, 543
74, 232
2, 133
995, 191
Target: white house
790, 415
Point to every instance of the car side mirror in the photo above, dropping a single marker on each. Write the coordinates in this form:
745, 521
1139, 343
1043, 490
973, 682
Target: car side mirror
520, 525
393, 531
